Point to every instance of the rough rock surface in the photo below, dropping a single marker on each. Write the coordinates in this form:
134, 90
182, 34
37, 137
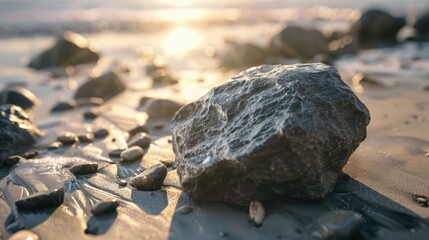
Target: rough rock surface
106, 86
70, 49
270, 130
17, 131
377, 28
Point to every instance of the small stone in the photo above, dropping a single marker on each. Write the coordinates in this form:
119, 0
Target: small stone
236, 55
138, 129
24, 235
83, 169
101, 133
86, 138
142, 140
421, 200
256, 213
88, 102
116, 152
161, 108
12, 160
151, 179
64, 106
158, 126
122, 182
30, 154
42, 199
338, 224
105, 207
68, 138
132, 154
184, 210
55, 145
106, 87
91, 114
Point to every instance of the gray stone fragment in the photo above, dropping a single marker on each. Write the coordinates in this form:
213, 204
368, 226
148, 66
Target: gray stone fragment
161, 108
83, 169
339, 224
64, 106
283, 129
42, 199
132, 154
142, 140
106, 87
150, 179
101, 133
105, 207
17, 131
68, 138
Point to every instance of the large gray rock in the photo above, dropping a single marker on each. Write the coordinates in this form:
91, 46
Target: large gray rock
70, 49
17, 131
270, 130
105, 87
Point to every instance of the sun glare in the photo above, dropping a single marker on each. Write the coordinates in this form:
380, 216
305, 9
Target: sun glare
178, 2
181, 40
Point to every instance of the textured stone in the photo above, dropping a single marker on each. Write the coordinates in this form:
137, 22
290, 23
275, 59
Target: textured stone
161, 108
68, 138
270, 130
17, 131
377, 28
132, 154
42, 199
105, 207
64, 106
142, 140
105, 87
83, 169
70, 49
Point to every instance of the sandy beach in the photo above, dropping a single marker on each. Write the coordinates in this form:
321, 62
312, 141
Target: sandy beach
380, 181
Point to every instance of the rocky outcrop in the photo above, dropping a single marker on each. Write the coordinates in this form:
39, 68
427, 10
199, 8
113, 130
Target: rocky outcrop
17, 131
270, 130
70, 49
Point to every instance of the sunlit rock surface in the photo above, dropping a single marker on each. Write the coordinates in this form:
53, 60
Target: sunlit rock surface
270, 130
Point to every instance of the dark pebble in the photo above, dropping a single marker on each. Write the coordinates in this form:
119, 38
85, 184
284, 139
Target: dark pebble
86, 138
184, 210
42, 199
151, 179
132, 154
158, 126
122, 182
105, 207
55, 145
87, 102
12, 160
64, 106
24, 235
138, 129
100, 133
116, 152
30, 154
91, 114
142, 140
421, 200
68, 138
82, 169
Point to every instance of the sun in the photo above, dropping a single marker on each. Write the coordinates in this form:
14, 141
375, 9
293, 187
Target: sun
181, 40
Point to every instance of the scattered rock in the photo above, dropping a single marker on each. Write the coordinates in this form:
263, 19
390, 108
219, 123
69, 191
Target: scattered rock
160, 74
12, 160
339, 224
256, 213
421, 200
101, 133
42, 199
17, 131
184, 210
138, 129
20, 97
238, 55
83, 169
70, 49
105, 207
88, 102
86, 138
151, 179
299, 43
122, 182
264, 129
64, 106
161, 108
142, 140
377, 28
422, 23
132, 154
68, 138
30, 154
92, 113
116, 152
55, 145
158, 126
24, 235
106, 87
